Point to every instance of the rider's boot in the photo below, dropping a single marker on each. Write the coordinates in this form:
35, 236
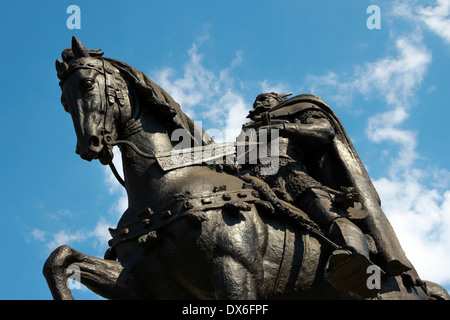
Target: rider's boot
347, 268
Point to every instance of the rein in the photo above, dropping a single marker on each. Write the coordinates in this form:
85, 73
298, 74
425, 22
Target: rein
107, 139
171, 160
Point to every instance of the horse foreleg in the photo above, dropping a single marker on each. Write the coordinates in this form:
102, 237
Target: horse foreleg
97, 274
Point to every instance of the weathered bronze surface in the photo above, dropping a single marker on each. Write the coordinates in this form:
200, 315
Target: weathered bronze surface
303, 222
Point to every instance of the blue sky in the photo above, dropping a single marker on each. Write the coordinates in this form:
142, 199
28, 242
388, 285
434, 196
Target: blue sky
389, 86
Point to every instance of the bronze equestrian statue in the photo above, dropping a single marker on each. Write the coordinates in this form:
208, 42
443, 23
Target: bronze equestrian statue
202, 230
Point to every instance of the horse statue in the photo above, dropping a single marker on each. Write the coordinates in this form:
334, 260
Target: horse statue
192, 230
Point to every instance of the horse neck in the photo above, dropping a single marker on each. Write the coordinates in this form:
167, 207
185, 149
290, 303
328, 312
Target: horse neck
143, 174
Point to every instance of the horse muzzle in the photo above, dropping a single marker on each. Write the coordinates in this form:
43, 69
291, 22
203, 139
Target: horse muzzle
94, 148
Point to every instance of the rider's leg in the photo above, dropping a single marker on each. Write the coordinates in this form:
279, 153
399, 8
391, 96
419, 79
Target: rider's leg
347, 235
347, 267
319, 206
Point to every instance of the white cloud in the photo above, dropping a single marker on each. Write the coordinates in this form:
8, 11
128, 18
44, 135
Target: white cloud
437, 18
278, 88
205, 94
393, 79
101, 233
340, 91
38, 234
237, 111
197, 86
98, 236
420, 218
397, 77
65, 237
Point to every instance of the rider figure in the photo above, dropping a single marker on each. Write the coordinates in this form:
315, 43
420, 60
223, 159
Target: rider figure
294, 184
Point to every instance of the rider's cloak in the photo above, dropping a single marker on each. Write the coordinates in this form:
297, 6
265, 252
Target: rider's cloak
340, 166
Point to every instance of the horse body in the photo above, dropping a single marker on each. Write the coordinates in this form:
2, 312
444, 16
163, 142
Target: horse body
183, 249
193, 232
226, 254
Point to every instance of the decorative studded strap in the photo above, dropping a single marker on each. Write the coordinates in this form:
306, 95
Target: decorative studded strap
184, 204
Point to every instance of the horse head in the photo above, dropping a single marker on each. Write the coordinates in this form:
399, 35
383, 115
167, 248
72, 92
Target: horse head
92, 92
104, 95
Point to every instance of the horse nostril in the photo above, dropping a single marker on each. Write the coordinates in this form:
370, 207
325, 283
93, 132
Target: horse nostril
94, 141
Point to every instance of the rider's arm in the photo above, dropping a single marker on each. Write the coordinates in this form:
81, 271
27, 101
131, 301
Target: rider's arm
314, 130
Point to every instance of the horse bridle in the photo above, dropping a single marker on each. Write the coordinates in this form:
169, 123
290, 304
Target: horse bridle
112, 94
114, 98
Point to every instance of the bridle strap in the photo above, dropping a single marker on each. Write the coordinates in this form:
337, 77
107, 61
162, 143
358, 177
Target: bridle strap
114, 99
107, 139
116, 174
110, 95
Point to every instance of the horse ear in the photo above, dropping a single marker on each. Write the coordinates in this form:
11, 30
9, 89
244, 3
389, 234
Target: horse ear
78, 48
61, 67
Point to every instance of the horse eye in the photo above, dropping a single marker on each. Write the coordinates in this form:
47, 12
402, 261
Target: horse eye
87, 84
